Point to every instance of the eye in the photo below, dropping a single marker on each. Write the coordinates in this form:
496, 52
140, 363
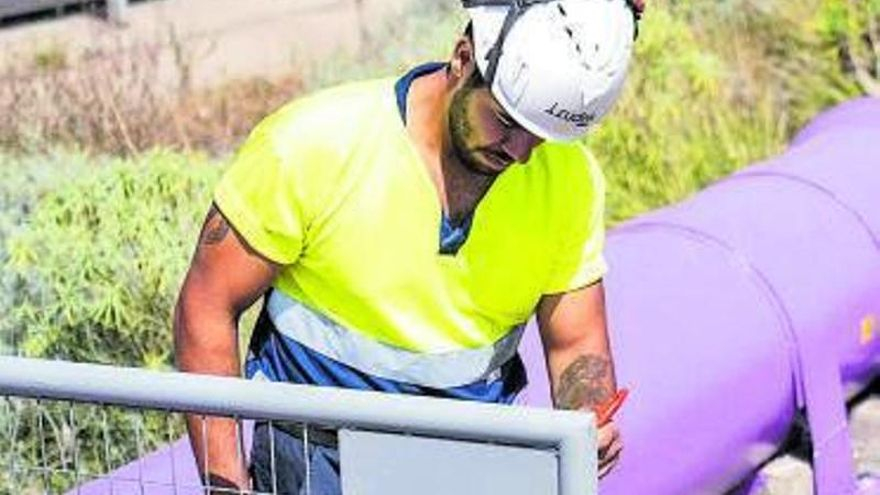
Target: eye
506, 121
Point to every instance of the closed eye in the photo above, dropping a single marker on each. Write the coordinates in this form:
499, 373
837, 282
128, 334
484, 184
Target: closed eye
506, 121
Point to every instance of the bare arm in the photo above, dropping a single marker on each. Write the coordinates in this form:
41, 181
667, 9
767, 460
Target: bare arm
575, 338
224, 278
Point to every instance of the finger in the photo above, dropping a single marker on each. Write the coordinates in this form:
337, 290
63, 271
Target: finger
611, 452
609, 464
607, 434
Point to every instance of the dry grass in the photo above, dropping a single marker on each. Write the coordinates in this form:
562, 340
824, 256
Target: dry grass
118, 102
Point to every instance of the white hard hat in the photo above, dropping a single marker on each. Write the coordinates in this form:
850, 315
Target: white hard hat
556, 66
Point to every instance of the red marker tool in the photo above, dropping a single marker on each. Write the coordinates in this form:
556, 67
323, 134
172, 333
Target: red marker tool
606, 411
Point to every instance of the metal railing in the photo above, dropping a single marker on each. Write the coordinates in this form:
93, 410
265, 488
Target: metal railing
65, 418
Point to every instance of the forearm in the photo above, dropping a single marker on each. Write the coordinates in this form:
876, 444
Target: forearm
206, 342
575, 336
578, 353
582, 374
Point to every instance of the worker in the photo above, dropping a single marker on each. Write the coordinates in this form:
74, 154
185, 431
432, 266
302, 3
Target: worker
402, 231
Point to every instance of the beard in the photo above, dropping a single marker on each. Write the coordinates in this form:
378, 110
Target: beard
461, 132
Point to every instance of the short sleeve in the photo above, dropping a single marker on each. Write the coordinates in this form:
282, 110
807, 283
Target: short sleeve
257, 197
579, 258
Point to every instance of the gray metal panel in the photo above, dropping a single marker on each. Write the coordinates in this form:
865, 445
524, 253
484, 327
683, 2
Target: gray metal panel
389, 464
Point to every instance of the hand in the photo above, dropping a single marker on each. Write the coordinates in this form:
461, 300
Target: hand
610, 446
218, 485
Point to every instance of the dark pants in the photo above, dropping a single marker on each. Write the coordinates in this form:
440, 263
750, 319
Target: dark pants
290, 466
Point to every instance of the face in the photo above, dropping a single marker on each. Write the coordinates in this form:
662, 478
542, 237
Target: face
483, 137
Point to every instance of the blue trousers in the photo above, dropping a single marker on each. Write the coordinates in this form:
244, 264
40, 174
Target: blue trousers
289, 473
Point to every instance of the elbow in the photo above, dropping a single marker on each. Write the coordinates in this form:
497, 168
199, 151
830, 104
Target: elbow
204, 331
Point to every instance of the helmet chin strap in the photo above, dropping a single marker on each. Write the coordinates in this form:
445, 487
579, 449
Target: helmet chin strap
516, 8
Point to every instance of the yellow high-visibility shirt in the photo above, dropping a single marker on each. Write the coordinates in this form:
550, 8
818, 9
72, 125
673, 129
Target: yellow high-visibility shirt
332, 188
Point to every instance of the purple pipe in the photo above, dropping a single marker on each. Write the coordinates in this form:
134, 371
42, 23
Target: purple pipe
858, 114
729, 313
749, 301
167, 471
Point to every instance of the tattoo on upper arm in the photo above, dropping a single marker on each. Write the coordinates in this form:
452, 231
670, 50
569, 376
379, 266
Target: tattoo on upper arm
215, 229
585, 383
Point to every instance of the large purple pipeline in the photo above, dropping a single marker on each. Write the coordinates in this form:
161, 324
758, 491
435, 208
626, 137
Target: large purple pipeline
730, 313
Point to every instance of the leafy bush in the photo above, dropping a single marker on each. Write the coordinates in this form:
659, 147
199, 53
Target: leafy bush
96, 252
98, 263
714, 86
852, 30
679, 124
23, 182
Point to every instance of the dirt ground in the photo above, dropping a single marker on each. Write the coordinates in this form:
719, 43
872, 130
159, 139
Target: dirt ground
788, 475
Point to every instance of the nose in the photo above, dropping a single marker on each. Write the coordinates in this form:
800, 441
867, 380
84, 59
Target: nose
520, 145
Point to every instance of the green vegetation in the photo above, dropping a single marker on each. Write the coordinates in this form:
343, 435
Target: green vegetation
714, 87
98, 262
50, 58
93, 249
94, 259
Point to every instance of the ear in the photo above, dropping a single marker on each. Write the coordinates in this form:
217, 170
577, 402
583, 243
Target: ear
462, 63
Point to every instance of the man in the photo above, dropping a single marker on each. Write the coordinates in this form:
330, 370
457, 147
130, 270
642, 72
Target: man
403, 231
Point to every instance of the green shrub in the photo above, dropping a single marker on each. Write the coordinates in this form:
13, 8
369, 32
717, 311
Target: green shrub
23, 182
98, 263
678, 126
714, 86
851, 30
96, 253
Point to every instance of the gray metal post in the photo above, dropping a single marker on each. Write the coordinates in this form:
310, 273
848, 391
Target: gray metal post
571, 434
116, 11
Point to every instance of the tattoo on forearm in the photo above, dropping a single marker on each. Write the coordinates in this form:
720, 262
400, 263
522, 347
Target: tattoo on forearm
585, 383
215, 229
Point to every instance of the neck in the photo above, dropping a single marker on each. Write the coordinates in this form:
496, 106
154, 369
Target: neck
458, 188
427, 103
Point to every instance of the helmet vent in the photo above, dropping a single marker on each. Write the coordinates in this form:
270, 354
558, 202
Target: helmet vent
577, 45
561, 9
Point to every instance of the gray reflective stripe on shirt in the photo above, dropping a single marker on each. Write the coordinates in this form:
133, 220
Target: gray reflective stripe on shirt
438, 370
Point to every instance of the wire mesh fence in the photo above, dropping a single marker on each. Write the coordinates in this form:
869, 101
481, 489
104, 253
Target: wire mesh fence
65, 447
95, 430
60, 446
